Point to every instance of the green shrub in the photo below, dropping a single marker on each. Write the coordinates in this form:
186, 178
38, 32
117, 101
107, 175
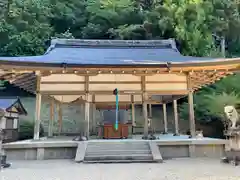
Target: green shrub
26, 130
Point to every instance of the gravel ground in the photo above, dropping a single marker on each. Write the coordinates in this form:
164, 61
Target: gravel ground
177, 169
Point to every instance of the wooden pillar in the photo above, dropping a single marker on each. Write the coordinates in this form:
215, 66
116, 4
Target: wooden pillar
150, 110
133, 111
176, 118
94, 123
133, 114
165, 118
87, 107
191, 114
87, 117
145, 115
60, 121
191, 106
37, 116
144, 105
37, 108
94, 120
51, 119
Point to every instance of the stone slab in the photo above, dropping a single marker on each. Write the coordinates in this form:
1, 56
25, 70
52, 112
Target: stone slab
40, 153
81, 150
156, 154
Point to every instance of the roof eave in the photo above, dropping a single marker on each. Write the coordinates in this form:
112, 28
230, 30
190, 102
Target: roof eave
40, 65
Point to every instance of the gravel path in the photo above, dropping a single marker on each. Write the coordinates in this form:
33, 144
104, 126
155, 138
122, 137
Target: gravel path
178, 169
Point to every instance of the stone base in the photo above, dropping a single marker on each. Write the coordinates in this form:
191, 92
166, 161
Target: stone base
232, 132
149, 137
3, 163
232, 157
63, 148
234, 162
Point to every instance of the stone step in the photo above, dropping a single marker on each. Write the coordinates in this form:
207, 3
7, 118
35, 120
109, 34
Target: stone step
119, 161
117, 142
106, 144
109, 143
118, 157
120, 151
116, 148
117, 152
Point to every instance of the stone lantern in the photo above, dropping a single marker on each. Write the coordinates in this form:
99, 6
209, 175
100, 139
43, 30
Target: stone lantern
3, 157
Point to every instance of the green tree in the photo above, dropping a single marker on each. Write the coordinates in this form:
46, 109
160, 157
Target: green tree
26, 28
210, 101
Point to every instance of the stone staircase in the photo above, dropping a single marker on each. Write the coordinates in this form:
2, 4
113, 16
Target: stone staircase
117, 151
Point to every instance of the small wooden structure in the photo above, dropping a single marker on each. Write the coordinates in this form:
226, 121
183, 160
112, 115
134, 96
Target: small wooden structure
109, 132
145, 72
9, 122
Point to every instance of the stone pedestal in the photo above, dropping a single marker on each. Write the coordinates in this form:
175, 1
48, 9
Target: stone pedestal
233, 150
4, 163
3, 158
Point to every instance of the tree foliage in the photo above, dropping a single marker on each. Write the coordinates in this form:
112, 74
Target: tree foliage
26, 26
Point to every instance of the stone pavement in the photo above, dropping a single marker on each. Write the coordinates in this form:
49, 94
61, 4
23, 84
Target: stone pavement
175, 169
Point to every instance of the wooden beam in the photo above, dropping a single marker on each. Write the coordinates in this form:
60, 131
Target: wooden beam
112, 82
27, 86
24, 78
163, 92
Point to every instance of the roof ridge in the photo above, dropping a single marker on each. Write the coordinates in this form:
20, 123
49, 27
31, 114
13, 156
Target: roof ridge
167, 43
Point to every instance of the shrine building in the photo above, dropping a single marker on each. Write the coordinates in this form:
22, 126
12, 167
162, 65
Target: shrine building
145, 72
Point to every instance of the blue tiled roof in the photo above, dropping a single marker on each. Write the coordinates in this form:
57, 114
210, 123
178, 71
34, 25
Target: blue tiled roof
108, 52
6, 103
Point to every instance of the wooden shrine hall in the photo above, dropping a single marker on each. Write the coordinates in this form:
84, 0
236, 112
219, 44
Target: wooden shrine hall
144, 71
